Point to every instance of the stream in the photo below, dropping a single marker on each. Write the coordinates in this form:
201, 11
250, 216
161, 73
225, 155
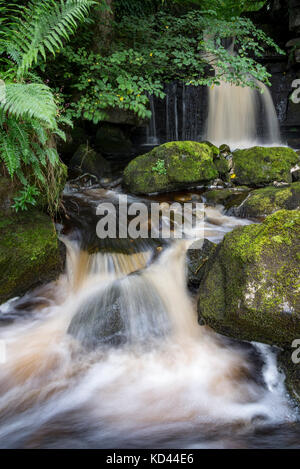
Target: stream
111, 354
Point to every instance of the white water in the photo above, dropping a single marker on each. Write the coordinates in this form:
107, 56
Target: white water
169, 383
233, 115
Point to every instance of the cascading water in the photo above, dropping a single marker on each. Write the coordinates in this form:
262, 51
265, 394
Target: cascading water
180, 116
236, 114
112, 356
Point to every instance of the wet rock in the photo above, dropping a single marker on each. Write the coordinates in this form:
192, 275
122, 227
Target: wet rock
295, 171
171, 166
260, 166
110, 183
227, 197
222, 165
196, 259
87, 160
250, 287
225, 149
263, 202
291, 371
99, 321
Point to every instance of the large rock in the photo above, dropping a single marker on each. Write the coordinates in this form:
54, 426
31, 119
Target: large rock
260, 166
263, 202
87, 160
111, 139
29, 252
250, 288
172, 166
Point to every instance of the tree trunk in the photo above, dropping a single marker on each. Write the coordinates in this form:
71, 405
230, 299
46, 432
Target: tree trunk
103, 28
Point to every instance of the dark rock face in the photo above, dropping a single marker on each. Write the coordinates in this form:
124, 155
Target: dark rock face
196, 259
87, 160
291, 371
250, 287
111, 139
294, 14
263, 202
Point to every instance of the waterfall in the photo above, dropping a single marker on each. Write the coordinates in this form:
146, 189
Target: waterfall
152, 129
234, 115
113, 357
180, 116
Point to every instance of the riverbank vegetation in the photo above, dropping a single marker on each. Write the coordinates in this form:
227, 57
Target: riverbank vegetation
61, 61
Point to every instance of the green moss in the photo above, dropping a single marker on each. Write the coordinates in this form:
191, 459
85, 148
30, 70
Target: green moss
259, 166
186, 163
251, 286
29, 252
222, 167
268, 200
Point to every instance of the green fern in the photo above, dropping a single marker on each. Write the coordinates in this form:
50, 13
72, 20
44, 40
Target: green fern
29, 117
31, 100
42, 27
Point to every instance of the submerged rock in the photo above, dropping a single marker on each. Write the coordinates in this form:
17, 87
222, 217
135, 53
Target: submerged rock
29, 252
260, 166
250, 288
263, 202
87, 160
226, 197
172, 166
99, 320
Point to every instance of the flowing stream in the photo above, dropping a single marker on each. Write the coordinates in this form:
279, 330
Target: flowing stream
112, 355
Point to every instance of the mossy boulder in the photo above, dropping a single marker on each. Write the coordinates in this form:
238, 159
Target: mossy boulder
87, 160
112, 139
29, 252
260, 166
250, 289
171, 166
263, 202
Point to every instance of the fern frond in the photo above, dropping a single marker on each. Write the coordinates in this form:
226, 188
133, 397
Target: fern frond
43, 26
30, 101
